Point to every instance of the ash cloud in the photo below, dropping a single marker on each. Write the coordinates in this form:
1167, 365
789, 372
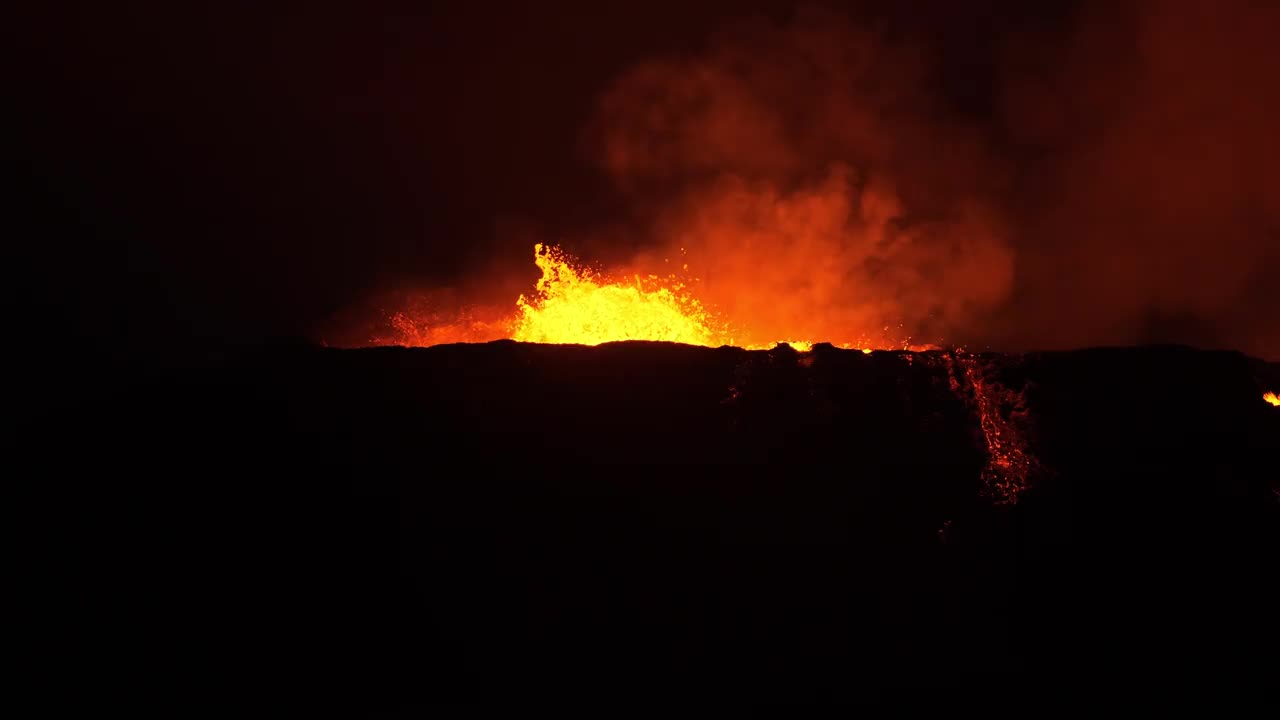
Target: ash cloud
1122, 187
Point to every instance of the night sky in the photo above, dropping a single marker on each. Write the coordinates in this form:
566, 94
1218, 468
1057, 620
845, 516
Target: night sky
196, 174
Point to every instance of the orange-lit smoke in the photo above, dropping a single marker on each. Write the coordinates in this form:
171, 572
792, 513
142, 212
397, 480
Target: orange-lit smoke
1124, 187
795, 172
836, 261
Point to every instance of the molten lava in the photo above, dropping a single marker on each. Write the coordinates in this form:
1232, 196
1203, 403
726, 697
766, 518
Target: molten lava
1002, 418
574, 305
427, 329
1271, 398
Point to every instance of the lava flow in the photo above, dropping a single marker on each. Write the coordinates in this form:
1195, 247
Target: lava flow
575, 305
1002, 416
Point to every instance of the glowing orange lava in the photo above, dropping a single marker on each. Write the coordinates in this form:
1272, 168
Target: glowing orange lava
575, 305
424, 330
1271, 398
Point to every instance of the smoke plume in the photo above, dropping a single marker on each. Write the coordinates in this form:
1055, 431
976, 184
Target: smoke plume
1122, 189
802, 174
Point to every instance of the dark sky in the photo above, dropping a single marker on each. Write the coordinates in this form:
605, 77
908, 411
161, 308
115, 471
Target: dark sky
197, 172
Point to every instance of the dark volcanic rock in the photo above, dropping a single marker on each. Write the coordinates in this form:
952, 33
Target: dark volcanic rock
476, 522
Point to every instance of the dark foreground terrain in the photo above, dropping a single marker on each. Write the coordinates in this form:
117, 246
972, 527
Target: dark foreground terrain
387, 527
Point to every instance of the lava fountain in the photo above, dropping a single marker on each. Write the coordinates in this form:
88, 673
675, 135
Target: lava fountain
572, 304
575, 306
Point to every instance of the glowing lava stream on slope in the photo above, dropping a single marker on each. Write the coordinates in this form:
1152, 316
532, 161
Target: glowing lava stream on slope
574, 305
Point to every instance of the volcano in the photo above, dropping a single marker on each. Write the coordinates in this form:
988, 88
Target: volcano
382, 358
423, 526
